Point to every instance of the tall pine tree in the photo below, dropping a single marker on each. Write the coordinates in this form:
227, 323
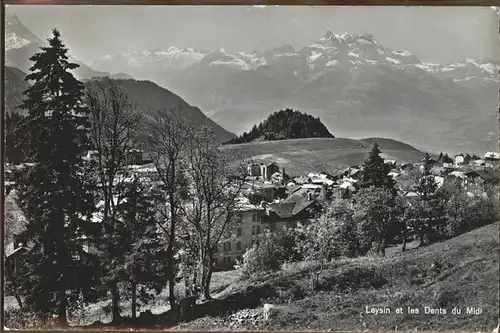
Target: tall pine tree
139, 260
375, 171
55, 194
429, 209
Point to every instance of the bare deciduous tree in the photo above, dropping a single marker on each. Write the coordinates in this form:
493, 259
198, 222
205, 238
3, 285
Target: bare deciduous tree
114, 126
215, 181
167, 143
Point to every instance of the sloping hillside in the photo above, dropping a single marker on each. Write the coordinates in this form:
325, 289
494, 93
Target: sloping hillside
149, 98
146, 95
14, 88
301, 156
461, 272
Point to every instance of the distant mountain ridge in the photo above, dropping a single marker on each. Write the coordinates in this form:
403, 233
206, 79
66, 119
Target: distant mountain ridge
285, 124
357, 86
150, 98
21, 44
147, 96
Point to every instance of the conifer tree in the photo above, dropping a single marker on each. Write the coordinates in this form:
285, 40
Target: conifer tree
140, 257
375, 171
55, 193
429, 209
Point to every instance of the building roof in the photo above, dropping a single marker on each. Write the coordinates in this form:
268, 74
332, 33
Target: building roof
457, 174
10, 249
243, 205
292, 205
488, 175
493, 155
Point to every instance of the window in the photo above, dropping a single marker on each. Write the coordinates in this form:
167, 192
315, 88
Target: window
238, 246
238, 232
272, 226
258, 229
227, 247
253, 230
239, 259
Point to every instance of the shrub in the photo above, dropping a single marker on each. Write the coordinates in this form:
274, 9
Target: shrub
24, 319
267, 256
469, 210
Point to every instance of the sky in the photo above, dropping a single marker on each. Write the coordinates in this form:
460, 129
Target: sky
434, 34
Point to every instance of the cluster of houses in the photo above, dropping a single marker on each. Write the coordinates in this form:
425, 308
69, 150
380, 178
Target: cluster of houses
286, 202
272, 200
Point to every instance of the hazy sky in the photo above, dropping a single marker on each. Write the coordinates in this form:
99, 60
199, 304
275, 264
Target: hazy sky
435, 34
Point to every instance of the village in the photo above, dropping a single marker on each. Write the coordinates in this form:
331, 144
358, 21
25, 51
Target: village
273, 200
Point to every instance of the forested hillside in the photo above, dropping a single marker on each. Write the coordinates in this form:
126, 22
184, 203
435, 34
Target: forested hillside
286, 124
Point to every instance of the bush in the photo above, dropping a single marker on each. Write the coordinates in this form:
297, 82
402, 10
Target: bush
467, 211
267, 256
24, 319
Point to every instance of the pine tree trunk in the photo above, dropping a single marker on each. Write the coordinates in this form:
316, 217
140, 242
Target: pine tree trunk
61, 311
134, 299
115, 303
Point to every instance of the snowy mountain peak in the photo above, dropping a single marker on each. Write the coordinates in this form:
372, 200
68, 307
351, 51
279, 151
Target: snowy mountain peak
12, 20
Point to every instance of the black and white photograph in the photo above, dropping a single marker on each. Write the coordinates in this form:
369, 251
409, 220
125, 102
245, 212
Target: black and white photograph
251, 168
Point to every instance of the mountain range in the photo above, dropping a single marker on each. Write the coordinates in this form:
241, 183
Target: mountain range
21, 44
357, 86
147, 96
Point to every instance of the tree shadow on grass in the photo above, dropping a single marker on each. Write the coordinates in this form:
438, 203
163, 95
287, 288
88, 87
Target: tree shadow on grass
250, 298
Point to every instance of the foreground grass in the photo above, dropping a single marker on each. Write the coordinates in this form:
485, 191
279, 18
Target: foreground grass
461, 272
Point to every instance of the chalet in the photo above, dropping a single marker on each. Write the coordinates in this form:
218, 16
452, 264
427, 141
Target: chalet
271, 192
13, 255
457, 174
437, 171
91, 155
271, 169
492, 158
300, 207
134, 157
391, 163
253, 169
394, 174
479, 163
459, 159
448, 165
406, 168
302, 180
149, 172
488, 176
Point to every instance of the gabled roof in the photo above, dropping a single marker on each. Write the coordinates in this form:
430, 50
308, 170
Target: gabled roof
292, 205
488, 175
10, 249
